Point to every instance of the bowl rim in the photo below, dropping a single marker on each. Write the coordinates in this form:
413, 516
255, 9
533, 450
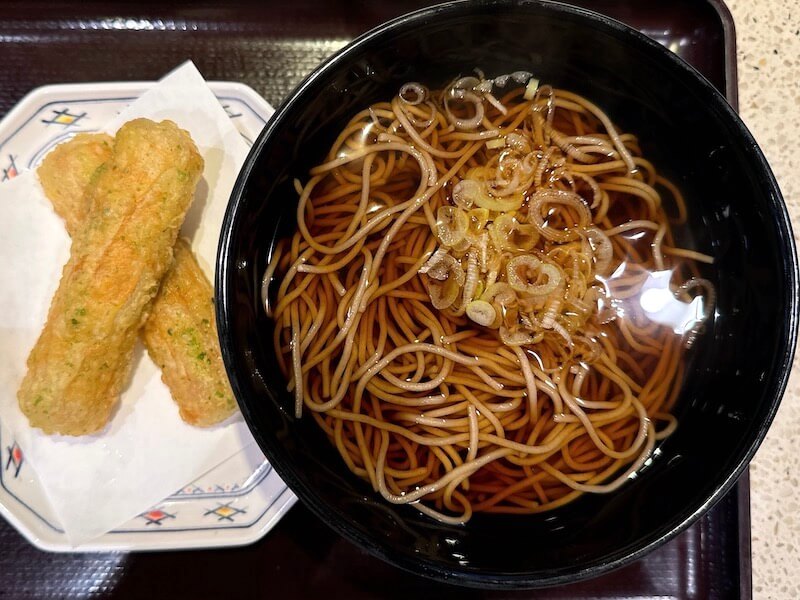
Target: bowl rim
684, 518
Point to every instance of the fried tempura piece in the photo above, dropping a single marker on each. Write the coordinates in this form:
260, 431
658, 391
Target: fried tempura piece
138, 201
181, 337
180, 334
66, 172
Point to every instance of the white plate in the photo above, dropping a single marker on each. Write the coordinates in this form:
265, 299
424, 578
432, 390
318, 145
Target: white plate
237, 502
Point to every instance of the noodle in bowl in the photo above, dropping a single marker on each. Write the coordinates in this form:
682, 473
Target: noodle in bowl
518, 242
486, 316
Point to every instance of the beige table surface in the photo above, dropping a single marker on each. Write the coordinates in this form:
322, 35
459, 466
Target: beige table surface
768, 37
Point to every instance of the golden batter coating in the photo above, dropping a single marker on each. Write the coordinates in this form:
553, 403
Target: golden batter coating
138, 201
180, 334
181, 337
65, 174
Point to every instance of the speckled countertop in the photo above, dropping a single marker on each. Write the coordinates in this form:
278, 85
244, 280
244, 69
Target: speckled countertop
768, 38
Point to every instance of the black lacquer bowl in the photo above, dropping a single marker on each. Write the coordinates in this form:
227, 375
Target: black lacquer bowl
738, 371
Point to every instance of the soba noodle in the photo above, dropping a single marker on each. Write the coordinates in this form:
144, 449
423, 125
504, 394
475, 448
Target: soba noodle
483, 306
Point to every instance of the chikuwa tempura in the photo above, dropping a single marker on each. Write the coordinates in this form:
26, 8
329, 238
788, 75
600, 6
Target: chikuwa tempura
483, 306
137, 203
180, 331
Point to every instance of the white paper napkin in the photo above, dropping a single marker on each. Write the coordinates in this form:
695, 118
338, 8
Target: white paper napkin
97, 482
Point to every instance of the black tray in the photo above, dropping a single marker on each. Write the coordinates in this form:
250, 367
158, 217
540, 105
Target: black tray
271, 46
